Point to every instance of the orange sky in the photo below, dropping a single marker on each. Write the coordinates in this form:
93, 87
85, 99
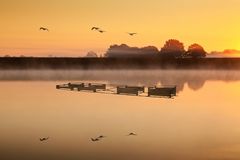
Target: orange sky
213, 23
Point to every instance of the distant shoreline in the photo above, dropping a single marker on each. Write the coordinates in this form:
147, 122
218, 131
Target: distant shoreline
8, 63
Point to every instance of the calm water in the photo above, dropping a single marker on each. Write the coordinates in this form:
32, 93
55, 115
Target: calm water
202, 122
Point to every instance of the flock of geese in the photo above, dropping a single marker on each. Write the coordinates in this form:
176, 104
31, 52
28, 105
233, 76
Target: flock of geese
93, 29
100, 31
92, 139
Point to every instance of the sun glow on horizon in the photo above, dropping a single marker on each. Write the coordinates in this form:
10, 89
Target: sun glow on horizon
213, 24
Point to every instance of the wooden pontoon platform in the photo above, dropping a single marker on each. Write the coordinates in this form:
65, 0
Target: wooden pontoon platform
156, 91
135, 90
162, 91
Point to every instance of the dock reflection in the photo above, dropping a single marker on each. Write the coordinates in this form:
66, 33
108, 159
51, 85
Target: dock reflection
194, 79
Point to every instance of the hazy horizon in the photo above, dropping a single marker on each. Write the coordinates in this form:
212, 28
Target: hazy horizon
231, 53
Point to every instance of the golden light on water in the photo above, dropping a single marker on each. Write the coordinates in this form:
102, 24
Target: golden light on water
200, 123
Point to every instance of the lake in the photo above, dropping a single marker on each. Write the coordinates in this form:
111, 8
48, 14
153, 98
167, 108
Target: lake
201, 122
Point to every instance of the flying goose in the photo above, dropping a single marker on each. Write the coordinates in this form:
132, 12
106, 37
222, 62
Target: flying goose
95, 139
44, 29
95, 28
131, 34
44, 139
132, 134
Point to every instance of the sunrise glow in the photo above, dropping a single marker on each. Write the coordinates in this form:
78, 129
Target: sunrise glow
214, 24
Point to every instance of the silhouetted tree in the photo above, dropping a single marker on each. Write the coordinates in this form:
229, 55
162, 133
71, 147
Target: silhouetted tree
196, 51
91, 54
118, 50
196, 84
173, 48
124, 50
149, 50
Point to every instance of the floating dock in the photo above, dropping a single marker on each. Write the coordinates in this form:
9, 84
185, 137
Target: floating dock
156, 91
135, 90
163, 91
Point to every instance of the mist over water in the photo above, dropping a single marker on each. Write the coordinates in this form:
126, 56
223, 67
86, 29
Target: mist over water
195, 79
201, 123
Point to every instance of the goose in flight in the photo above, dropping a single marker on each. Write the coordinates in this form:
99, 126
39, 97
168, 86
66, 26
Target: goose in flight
95, 28
44, 139
131, 34
44, 29
99, 137
132, 134
101, 31
95, 139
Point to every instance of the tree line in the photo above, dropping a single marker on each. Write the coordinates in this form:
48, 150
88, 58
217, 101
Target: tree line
172, 49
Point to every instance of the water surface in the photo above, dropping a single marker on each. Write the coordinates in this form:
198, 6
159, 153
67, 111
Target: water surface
202, 122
